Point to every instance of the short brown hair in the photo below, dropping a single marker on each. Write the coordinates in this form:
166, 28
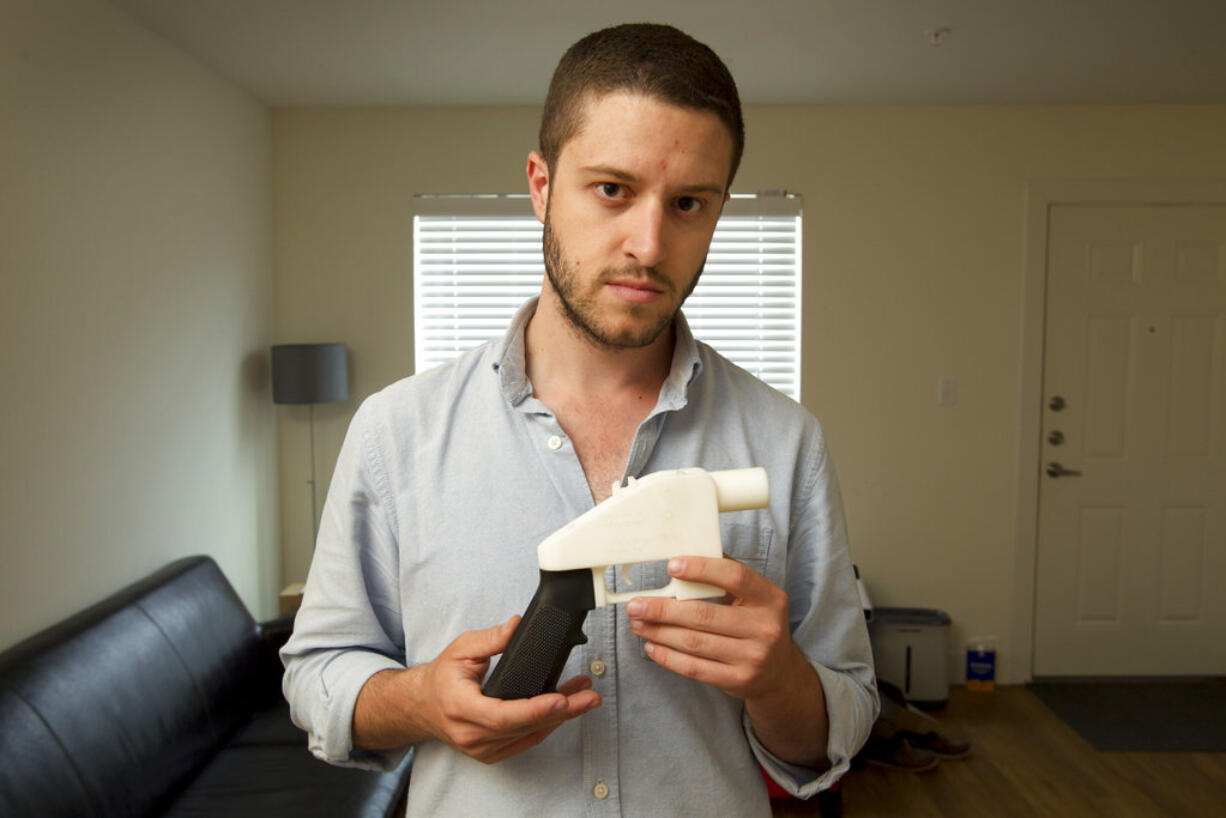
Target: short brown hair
658, 61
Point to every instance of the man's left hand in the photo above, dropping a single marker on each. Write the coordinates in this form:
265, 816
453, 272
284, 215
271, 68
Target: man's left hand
740, 644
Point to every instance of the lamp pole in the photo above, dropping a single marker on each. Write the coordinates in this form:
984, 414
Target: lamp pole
314, 498
310, 374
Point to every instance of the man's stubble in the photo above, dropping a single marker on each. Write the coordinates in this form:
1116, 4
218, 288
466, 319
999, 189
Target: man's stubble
581, 311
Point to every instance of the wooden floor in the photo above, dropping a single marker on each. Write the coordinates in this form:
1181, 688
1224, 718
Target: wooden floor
1026, 762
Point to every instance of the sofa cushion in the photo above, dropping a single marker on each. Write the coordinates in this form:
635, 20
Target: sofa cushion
270, 727
37, 777
259, 781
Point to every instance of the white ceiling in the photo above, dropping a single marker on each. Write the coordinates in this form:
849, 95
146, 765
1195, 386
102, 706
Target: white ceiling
480, 52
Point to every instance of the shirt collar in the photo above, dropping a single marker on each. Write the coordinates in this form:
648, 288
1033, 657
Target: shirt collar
685, 368
510, 362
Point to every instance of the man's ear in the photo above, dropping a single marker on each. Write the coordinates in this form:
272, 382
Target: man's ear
538, 184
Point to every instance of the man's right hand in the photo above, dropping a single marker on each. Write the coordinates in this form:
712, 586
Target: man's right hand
443, 700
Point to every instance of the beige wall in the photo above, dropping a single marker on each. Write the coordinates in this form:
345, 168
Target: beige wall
914, 263
136, 310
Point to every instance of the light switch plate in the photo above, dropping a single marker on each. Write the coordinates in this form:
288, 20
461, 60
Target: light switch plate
947, 391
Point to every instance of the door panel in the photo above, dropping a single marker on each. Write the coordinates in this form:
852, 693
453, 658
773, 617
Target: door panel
1131, 571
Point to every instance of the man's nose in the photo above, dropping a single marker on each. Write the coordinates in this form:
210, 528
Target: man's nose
645, 233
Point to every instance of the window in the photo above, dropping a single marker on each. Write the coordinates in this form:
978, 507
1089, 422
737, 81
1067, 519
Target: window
476, 259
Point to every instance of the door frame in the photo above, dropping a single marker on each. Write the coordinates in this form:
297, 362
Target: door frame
1041, 195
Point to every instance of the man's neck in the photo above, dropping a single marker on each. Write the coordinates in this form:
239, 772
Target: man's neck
598, 395
563, 363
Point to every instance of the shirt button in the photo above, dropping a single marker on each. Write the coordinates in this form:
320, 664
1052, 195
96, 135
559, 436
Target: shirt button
597, 667
601, 790
555, 442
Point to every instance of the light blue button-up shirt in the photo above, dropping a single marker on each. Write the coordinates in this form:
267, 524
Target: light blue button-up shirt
446, 483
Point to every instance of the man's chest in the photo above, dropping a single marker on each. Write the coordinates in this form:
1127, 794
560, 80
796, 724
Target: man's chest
602, 436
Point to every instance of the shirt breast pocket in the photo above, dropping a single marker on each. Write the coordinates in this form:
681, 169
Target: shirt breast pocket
748, 544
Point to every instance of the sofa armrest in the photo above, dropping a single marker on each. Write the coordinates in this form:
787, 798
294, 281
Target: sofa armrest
276, 632
273, 634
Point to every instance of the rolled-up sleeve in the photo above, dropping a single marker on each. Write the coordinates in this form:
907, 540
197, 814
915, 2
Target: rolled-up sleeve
827, 624
349, 626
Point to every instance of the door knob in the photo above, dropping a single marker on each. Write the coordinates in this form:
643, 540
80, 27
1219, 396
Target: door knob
1056, 403
1056, 437
1055, 469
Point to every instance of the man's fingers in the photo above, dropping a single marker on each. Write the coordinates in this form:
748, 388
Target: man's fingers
557, 707
533, 734
738, 579
500, 729
516, 715
486, 728
510, 715
698, 643
695, 614
693, 667
749, 591
519, 745
574, 685
581, 702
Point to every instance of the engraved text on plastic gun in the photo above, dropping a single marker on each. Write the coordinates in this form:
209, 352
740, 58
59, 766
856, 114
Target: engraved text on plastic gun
662, 515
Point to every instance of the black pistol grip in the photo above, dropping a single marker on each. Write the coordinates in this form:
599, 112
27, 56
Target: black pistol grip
541, 644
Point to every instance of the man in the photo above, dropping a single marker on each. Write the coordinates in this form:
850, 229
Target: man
448, 480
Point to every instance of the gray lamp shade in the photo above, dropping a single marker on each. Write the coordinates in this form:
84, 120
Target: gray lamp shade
309, 373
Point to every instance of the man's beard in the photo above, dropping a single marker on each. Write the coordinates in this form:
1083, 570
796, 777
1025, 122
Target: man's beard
581, 310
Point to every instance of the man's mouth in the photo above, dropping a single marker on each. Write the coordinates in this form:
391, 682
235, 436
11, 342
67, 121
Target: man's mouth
637, 290
639, 286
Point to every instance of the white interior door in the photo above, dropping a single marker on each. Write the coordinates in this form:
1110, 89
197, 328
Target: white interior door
1131, 571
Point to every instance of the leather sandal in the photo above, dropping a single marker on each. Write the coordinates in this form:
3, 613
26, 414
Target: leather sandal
898, 753
942, 745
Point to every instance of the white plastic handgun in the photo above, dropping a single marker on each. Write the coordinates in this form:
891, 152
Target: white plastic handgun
659, 516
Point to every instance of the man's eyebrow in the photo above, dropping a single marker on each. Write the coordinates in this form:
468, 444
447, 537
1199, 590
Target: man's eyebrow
626, 176
609, 170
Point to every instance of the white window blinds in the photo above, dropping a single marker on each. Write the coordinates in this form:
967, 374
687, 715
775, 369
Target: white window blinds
476, 259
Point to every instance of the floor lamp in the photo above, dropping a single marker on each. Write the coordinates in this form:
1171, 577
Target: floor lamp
310, 374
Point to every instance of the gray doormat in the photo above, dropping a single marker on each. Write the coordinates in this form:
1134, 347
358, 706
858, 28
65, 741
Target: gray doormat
1142, 716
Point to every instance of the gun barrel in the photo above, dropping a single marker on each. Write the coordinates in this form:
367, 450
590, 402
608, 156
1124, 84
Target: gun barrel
740, 489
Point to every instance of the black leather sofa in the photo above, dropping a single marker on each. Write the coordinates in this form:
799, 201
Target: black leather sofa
165, 699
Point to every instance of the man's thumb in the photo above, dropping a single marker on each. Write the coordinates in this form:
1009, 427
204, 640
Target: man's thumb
486, 643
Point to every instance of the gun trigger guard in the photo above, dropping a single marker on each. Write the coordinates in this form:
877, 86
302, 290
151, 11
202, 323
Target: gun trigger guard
675, 589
